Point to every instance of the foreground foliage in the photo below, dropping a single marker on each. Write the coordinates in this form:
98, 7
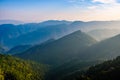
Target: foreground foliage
12, 68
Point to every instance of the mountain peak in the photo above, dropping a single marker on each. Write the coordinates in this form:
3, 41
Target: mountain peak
60, 50
55, 22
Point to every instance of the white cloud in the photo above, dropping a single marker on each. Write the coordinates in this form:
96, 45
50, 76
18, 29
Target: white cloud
105, 1
108, 10
101, 1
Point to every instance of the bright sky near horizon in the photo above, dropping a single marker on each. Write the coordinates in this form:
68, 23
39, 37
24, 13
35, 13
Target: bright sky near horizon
40, 10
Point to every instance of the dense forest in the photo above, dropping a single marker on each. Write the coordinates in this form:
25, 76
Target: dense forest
12, 68
108, 70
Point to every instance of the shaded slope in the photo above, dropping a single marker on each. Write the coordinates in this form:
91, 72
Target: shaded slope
69, 68
18, 49
106, 49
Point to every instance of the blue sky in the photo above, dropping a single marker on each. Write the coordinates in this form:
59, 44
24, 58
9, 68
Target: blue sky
40, 10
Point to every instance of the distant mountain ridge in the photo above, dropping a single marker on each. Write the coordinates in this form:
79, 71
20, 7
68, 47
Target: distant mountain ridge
55, 22
37, 33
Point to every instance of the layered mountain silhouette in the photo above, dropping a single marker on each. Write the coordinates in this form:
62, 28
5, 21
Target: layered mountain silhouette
37, 33
61, 50
69, 48
10, 31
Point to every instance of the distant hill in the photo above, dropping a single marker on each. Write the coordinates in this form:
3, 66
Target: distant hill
102, 34
16, 22
32, 33
9, 31
59, 51
54, 22
12, 68
40, 35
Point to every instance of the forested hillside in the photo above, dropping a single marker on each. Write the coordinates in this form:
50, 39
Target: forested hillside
12, 68
109, 70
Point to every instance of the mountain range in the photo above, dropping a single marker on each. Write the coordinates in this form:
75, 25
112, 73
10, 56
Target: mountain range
72, 50
37, 33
